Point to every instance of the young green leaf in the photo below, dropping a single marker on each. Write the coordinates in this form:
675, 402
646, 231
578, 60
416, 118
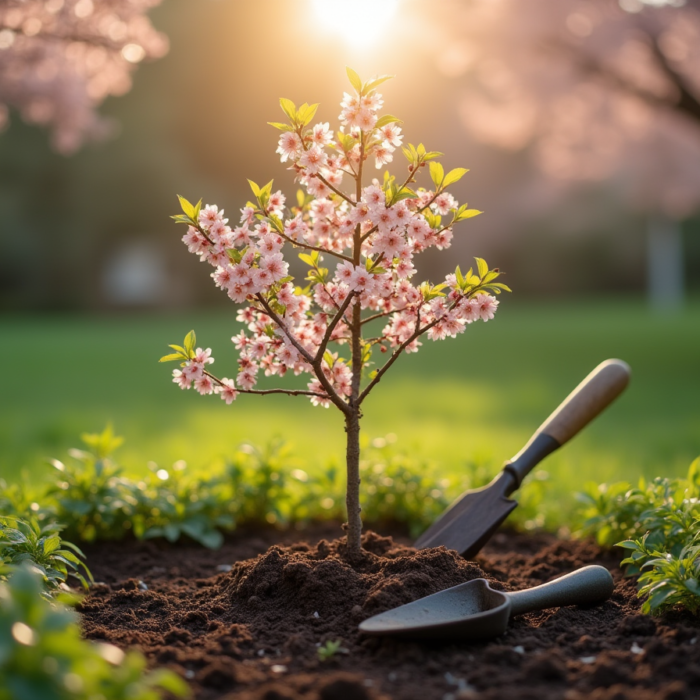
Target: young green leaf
172, 357
375, 83
288, 108
355, 80
437, 173
454, 176
306, 113
255, 188
468, 214
281, 127
187, 208
481, 266
190, 342
386, 119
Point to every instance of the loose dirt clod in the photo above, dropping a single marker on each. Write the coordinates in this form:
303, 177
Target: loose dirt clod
254, 632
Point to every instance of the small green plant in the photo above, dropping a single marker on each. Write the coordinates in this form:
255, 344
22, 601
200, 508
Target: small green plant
666, 580
90, 494
258, 479
400, 489
28, 542
664, 508
43, 657
170, 503
659, 524
328, 650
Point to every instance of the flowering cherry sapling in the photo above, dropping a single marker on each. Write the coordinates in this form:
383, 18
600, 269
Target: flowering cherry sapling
370, 233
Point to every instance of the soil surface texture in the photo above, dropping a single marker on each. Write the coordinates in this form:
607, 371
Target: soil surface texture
246, 622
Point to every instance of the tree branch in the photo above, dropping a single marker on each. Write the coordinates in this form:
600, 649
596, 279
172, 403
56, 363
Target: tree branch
340, 194
261, 392
382, 314
318, 371
292, 339
331, 327
687, 103
395, 356
313, 247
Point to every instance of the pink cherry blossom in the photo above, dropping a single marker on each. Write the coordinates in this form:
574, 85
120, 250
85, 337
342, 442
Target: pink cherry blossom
313, 160
204, 385
246, 379
391, 133
203, 357
321, 134
361, 280
487, 306
227, 390
289, 146
181, 379
383, 154
374, 197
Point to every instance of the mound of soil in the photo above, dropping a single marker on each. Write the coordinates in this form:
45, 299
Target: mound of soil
246, 622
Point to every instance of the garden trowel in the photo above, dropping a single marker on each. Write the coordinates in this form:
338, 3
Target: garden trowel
471, 520
472, 611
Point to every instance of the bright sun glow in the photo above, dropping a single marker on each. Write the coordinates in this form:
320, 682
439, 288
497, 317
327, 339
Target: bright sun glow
359, 22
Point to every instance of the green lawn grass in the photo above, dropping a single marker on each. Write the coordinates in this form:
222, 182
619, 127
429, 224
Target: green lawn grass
477, 398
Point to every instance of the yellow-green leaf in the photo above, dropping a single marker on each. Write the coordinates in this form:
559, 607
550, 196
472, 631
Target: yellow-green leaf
437, 173
190, 342
172, 357
280, 126
306, 113
288, 108
187, 207
454, 176
375, 82
482, 266
254, 187
386, 119
354, 79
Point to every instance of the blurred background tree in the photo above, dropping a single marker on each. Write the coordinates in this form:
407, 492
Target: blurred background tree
600, 91
567, 164
62, 58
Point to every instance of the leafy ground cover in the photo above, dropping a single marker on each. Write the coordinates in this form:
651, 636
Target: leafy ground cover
658, 523
43, 657
475, 404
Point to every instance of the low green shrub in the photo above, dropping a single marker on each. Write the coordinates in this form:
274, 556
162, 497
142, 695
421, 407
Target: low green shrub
42, 656
93, 499
658, 523
29, 543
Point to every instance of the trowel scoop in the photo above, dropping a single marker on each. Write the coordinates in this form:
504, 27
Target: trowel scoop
473, 610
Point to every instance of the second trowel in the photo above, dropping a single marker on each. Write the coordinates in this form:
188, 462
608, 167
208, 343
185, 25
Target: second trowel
471, 520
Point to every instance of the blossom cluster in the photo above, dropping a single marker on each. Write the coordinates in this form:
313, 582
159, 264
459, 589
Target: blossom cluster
374, 239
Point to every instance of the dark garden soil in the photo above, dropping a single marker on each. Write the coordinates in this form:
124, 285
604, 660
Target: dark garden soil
252, 632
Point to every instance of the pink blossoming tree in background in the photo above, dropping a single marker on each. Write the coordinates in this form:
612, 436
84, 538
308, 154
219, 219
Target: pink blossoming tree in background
599, 90
59, 59
369, 234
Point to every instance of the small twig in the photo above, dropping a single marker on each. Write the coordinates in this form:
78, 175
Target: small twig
313, 247
261, 392
331, 327
340, 194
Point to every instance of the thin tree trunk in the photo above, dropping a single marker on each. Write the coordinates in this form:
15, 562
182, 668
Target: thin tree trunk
352, 419
352, 497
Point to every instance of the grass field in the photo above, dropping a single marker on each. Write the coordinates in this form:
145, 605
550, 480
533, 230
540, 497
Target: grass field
474, 399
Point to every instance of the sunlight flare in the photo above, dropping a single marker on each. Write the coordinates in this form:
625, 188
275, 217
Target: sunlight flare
360, 22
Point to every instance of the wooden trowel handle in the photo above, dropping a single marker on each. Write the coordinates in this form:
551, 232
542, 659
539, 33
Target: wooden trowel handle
599, 389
